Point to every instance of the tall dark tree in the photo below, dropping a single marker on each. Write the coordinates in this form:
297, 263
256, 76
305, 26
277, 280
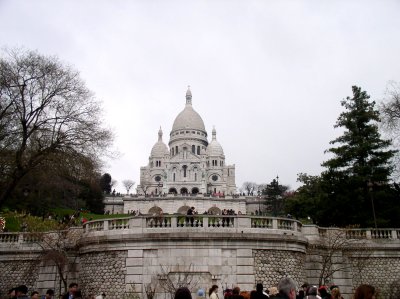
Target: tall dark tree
308, 199
275, 197
361, 160
105, 183
45, 111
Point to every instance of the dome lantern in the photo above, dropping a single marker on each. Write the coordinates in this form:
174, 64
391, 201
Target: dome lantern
188, 96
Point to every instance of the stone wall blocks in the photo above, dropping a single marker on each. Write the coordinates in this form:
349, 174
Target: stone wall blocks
134, 261
244, 252
245, 279
244, 261
134, 270
135, 253
228, 252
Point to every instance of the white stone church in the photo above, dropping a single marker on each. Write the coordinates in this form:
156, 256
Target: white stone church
189, 164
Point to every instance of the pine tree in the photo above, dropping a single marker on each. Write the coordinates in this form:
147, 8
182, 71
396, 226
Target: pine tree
361, 159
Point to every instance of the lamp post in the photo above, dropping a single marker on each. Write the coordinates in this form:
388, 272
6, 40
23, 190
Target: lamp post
370, 191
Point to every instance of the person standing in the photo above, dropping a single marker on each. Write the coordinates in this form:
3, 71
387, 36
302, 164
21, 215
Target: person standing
365, 291
258, 294
21, 292
12, 293
335, 292
190, 214
35, 295
236, 294
49, 294
287, 289
213, 292
72, 291
183, 293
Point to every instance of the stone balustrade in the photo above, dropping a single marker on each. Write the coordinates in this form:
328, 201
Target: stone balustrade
209, 223
204, 222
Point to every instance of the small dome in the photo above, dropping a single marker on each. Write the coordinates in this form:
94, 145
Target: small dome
159, 149
214, 148
188, 118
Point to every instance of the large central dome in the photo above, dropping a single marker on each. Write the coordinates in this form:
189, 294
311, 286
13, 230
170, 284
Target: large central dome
188, 118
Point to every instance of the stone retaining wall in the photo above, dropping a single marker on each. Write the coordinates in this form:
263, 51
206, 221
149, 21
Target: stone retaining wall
103, 272
117, 255
270, 266
18, 270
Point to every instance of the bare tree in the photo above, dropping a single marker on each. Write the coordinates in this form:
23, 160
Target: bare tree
171, 281
144, 186
249, 187
113, 184
128, 184
58, 246
390, 115
333, 245
151, 288
45, 110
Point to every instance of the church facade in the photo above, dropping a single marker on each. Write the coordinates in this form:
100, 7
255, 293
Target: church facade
189, 164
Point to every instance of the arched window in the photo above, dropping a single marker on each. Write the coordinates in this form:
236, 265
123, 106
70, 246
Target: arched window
174, 177
184, 170
172, 151
193, 149
176, 150
198, 149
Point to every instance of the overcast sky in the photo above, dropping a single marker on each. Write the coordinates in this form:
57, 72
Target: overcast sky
269, 75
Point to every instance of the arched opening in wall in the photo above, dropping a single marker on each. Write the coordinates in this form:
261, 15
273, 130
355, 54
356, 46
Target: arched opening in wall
214, 211
195, 190
184, 191
172, 190
183, 210
155, 211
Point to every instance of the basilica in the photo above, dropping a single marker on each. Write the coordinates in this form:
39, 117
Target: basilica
189, 164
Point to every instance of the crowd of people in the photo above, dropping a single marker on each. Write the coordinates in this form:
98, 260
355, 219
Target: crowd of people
21, 292
286, 289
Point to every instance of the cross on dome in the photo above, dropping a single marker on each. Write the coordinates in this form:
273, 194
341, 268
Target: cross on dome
160, 133
188, 96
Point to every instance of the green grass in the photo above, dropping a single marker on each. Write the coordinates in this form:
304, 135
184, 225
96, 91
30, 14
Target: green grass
15, 220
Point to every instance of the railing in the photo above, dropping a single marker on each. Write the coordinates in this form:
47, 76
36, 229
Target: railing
9, 237
285, 224
120, 198
118, 223
361, 233
94, 225
382, 234
215, 224
158, 221
26, 238
194, 221
261, 222
218, 221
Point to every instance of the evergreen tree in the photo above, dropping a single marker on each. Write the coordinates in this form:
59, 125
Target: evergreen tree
275, 197
361, 160
105, 183
308, 198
